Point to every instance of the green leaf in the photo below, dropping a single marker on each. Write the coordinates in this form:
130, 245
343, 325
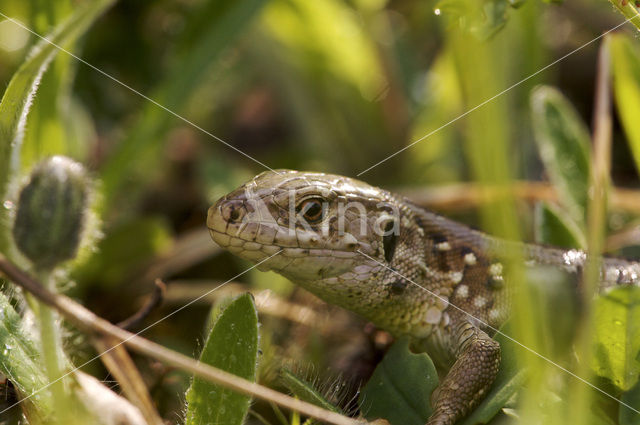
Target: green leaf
400, 387
631, 398
495, 18
626, 87
563, 142
232, 345
19, 94
483, 18
54, 120
553, 226
305, 391
617, 336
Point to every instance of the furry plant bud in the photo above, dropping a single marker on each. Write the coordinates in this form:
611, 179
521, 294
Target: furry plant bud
51, 212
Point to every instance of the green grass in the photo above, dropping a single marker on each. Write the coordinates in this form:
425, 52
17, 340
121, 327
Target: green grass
333, 86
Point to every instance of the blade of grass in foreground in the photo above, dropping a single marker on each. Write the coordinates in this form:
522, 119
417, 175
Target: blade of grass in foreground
625, 58
581, 396
482, 68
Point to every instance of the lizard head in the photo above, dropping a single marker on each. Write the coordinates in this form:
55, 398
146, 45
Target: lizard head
319, 224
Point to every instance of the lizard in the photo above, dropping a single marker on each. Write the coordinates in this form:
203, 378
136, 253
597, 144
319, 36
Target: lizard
408, 270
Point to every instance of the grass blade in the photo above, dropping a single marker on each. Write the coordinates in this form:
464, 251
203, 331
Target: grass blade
626, 88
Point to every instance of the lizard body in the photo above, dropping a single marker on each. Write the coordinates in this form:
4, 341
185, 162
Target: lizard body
410, 271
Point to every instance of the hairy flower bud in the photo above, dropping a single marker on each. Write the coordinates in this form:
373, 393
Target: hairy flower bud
51, 212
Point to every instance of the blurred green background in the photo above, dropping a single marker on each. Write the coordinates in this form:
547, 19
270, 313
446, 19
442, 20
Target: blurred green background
331, 85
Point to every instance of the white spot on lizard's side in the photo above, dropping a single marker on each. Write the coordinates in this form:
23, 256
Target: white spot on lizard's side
462, 291
443, 246
494, 314
495, 269
479, 301
470, 259
456, 277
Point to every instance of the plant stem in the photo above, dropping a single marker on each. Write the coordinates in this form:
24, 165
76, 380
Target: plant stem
581, 398
629, 10
87, 321
51, 345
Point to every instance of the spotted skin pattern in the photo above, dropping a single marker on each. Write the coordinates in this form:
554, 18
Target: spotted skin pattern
409, 271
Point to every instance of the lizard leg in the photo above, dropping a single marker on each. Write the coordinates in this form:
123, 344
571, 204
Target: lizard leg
470, 377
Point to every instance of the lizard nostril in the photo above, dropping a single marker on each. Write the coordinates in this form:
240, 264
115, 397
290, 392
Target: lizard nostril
233, 211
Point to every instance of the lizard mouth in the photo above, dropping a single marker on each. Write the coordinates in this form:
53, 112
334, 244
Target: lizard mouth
255, 236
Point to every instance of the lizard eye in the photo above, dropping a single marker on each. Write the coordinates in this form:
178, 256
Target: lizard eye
311, 210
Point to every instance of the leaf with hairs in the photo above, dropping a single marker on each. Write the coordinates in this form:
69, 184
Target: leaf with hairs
232, 345
563, 142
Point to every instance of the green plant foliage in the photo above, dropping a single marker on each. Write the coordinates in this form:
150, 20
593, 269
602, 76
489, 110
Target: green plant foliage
19, 362
320, 54
629, 10
305, 390
19, 94
483, 18
563, 143
57, 124
553, 226
625, 60
333, 86
617, 336
213, 28
232, 345
631, 398
400, 387
433, 160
